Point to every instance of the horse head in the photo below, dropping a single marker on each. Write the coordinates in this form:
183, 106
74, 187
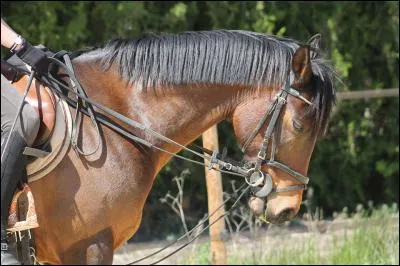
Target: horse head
301, 120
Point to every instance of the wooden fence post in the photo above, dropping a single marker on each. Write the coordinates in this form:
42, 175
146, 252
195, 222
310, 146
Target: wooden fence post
215, 199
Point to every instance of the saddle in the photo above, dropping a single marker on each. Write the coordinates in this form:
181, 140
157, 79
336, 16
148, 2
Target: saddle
49, 148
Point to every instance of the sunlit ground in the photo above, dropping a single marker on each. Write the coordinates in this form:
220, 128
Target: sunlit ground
364, 237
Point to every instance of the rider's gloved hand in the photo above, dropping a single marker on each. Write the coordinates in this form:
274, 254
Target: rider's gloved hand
34, 57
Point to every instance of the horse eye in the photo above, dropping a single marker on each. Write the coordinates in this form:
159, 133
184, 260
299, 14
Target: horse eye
298, 126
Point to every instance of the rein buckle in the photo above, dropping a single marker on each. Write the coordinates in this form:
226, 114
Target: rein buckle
256, 178
228, 166
261, 155
213, 160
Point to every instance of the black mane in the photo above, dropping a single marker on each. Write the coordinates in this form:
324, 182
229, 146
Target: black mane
216, 57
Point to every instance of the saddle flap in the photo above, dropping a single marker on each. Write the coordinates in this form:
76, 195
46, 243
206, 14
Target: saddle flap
58, 145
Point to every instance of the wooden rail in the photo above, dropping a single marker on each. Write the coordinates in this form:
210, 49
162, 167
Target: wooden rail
367, 94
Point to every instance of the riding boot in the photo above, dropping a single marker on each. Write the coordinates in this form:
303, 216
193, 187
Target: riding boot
8, 251
12, 168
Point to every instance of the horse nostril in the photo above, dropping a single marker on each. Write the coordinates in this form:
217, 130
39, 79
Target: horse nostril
285, 215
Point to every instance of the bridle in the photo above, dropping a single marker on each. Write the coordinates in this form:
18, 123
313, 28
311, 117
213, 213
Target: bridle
260, 181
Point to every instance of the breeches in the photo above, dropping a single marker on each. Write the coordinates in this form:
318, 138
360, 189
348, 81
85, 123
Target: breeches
27, 125
23, 134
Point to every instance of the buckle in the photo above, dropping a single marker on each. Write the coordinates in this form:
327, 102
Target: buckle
261, 155
254, 178
228, 166
213, 160
282, 99
4, 247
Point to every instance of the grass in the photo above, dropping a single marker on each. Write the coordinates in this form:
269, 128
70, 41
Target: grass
370, 244
373, 239
367, 246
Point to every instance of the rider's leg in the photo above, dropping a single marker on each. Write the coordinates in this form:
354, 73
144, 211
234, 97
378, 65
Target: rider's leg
12, 159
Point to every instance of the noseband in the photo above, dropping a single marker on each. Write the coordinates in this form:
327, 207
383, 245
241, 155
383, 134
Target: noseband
260, 181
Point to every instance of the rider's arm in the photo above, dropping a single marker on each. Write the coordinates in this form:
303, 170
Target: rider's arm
9, 37
31, 55
38, 96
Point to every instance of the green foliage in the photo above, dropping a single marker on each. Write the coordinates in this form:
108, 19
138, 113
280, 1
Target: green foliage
358, 159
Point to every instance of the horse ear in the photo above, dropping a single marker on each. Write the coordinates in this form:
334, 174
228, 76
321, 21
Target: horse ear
301, 65
314, 43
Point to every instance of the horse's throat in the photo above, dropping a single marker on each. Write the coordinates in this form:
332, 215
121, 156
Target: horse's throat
184, 119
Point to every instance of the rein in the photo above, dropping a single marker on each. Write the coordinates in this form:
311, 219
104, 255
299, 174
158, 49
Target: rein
201, 222
261, 182
57, 85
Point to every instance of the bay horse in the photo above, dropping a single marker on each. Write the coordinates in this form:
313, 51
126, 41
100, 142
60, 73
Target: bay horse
178, 85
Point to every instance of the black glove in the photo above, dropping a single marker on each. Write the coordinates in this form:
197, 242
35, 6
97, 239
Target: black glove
34, 57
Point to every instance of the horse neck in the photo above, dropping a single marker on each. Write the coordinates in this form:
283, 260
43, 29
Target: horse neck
184, 113
181, 113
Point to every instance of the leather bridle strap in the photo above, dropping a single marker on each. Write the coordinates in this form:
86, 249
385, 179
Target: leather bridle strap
289, 188
303, 179
257, 177
288, 90
258, 127
281, 100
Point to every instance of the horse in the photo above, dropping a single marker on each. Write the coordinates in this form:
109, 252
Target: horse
179, 85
